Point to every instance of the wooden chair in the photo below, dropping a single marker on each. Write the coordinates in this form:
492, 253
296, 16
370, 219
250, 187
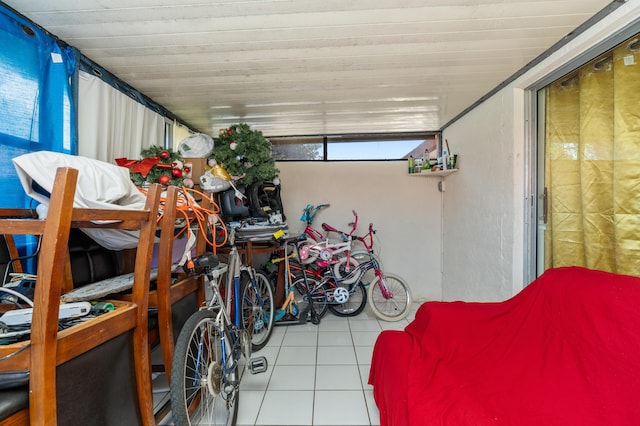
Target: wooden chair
174, 286
168, 293
176, 296
50, 350
38, 356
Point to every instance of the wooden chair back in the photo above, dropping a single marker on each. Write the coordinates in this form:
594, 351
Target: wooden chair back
49, 348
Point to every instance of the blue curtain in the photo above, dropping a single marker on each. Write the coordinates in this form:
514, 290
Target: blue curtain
37, 105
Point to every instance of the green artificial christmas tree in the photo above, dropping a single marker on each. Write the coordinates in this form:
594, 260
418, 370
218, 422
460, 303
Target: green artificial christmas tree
245, 154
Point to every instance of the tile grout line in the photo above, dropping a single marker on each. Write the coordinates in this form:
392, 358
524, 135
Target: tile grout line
264, 395
315, 376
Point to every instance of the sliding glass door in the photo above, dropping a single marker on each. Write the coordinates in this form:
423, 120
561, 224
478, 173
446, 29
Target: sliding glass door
589, 168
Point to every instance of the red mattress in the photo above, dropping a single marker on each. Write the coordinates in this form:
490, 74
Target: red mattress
564, 351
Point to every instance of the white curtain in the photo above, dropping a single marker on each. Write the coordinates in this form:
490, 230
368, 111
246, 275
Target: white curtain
112, 125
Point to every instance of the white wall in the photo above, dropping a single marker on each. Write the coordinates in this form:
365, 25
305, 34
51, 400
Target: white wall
485, 203
479, 212
406, 211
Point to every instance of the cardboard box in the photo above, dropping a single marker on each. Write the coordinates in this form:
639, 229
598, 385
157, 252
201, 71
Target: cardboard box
198, 167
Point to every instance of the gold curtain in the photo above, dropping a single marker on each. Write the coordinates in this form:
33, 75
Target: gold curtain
179, 132
592, 165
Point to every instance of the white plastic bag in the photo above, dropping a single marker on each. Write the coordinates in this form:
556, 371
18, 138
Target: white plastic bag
197, 145
100, 185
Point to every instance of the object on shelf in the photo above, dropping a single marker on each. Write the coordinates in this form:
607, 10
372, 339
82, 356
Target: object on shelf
435, 171
453, 161
426, 162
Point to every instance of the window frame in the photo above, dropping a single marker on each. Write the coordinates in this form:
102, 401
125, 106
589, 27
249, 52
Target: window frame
328, 139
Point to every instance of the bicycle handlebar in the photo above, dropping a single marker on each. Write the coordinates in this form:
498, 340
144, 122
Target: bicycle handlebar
367, 236
354, 224
310, 212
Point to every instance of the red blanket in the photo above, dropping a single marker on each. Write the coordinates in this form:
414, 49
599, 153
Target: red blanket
564, 351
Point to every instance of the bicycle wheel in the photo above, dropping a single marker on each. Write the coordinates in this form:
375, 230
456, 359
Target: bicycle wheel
362, 256
257, 309
344, 267
355, 303
202, 392
317, 292
395, 304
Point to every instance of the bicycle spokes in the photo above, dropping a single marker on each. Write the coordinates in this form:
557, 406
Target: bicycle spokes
387, 293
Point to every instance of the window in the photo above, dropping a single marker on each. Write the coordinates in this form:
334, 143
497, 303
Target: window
298, 148
381, 146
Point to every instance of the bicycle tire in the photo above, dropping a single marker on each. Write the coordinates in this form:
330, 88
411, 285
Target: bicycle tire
318, 296
198, 391
345, 266
395, 308
354, 305
257, 312
362, 256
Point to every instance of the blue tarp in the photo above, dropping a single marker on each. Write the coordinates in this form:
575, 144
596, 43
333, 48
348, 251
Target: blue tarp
37, 107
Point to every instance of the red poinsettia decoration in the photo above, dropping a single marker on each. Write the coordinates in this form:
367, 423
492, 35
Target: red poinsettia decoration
157, 165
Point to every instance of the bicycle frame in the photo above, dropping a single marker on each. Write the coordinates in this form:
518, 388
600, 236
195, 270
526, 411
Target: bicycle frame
324, 248
214, 340
352, 279
366, 240
228, 307
313, 233
356, 275
223, 306
368, 245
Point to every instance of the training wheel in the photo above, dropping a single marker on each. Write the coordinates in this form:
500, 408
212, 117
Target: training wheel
304, 252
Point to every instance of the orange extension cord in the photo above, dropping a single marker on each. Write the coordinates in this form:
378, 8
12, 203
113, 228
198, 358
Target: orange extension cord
190, 210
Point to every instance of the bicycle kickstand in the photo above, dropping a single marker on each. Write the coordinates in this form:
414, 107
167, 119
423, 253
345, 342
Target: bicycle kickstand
315, 319
309, 314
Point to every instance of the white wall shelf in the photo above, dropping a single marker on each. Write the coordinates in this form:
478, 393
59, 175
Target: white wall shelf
439, 173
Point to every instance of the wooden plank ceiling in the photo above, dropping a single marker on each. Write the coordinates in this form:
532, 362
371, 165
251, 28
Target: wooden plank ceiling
303, 67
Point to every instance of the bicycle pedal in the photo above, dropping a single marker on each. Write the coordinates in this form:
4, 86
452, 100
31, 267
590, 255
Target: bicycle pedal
258, 365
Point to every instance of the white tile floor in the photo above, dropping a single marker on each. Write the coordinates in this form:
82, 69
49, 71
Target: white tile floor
317, 375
